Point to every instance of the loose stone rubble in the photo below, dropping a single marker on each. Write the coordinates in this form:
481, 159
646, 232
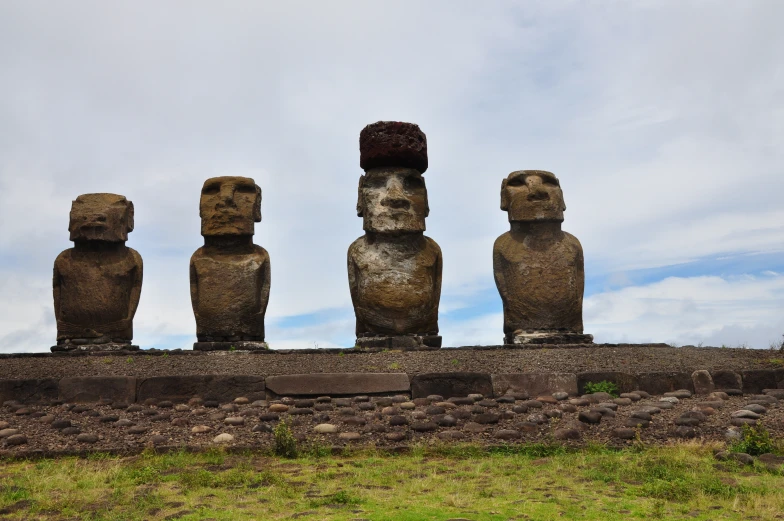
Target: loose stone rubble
385, 421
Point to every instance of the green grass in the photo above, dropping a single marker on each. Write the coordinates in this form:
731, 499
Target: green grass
430, 483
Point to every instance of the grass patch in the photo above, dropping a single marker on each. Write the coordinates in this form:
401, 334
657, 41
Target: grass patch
536, 481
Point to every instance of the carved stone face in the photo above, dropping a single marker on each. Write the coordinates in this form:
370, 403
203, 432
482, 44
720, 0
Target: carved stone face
229, 206
101, 217
392, 200
532, 195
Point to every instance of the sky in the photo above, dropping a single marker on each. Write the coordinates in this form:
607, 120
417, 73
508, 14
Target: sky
664, 121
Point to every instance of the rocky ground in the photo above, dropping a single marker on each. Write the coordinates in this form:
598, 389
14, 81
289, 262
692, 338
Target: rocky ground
385, 422
600, 357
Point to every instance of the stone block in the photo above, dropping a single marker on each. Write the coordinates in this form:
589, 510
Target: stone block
32, 390
726, 380
223, 388
703, 382
95, 388
626, 382
755, 380
535, 383
451, 384
334, 384
663, 382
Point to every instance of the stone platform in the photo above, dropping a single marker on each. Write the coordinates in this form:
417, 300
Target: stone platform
122, 403
451, 372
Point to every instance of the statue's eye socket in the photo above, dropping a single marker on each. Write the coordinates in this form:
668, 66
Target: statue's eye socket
210, 190
246, 189
374, 182
517, 181
550, 181
414, 182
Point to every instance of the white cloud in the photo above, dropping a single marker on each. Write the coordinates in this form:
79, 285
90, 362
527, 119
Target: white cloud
743, 310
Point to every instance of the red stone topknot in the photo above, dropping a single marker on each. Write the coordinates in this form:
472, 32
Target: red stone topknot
392, 143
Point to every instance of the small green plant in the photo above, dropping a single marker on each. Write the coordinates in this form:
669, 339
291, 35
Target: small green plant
755, 440
165, 355
455, 361
601, 387
394, 365
285, 444
129, 359
342, 353
232, 348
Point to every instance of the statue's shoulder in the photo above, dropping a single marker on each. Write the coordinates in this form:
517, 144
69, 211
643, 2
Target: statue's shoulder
133, 254
431, 246
572, 242
64, 256
502, 240
358, 246
198, 254
261, 252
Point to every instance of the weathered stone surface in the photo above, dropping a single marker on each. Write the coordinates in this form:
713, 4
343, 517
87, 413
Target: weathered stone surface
662, 382
394, 271
96, 284
703, 382
724, 380
451, 384
229, 275
208, 387
538, 268
755, 380
535, 384
31, 390
94, 388
338, 384
625, 382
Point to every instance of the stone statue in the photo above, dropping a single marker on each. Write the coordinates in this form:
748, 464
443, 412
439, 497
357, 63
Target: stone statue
394, 271
230, 276
97, 283
538, 268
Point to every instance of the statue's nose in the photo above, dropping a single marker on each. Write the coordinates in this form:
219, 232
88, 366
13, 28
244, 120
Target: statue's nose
394, 197
536, 189
227, 195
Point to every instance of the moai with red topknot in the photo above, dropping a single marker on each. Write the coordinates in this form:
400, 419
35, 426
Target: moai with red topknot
97, 283
394, 270
539, 269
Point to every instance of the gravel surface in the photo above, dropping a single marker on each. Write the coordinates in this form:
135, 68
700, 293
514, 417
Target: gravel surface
377, 421
629, 359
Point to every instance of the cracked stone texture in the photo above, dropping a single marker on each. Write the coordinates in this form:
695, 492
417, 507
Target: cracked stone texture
538, 268
229, 275
97, 283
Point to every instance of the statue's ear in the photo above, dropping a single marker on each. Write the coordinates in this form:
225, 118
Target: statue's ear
129, 216
257, 205
504, 198
360, 204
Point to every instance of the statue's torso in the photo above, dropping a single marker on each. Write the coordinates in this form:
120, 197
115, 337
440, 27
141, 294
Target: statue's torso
541, 285
95, 287
228, 298
396, 289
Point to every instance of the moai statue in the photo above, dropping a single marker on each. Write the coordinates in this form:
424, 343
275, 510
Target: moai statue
538, 268
230, 276
394, 271
98, 282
